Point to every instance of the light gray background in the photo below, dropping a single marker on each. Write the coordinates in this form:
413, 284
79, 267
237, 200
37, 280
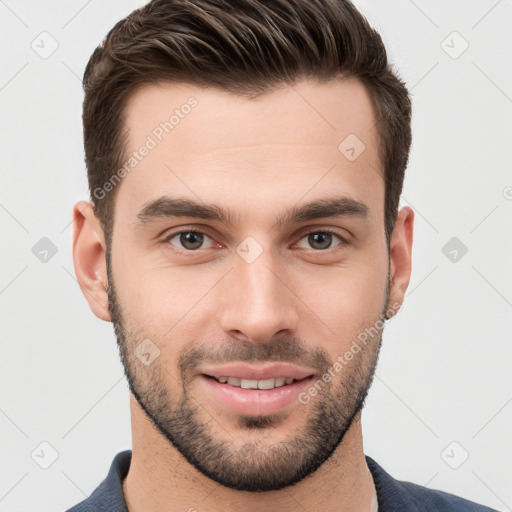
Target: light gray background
444, 373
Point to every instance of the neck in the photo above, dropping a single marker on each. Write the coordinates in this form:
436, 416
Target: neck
160, 478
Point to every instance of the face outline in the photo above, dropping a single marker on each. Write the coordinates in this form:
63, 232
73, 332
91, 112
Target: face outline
268, 306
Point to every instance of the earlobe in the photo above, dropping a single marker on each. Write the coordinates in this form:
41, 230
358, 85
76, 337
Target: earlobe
89, 251
400, 258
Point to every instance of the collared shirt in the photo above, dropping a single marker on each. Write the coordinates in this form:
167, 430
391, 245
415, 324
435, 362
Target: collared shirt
392, 495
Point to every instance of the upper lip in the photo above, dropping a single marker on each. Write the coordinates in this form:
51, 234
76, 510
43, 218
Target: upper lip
262, 372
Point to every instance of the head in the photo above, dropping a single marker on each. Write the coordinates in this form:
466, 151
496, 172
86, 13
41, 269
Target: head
245, 162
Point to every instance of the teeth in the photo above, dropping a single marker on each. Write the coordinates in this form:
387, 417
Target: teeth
266, 384
249, 384
256, 384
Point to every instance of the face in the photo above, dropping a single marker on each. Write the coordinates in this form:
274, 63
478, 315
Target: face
249, 247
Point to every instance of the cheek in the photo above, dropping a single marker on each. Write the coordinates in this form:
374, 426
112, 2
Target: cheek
348, 301
162, 302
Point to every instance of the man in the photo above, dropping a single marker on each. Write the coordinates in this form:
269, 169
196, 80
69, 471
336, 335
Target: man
245, 161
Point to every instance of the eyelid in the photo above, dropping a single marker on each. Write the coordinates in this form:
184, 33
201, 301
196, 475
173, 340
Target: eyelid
170, 234
340, 232
307, 230
344, 239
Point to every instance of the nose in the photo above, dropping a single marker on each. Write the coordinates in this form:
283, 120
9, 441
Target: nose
258, 300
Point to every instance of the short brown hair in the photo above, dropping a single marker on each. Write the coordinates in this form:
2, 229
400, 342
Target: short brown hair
247, 48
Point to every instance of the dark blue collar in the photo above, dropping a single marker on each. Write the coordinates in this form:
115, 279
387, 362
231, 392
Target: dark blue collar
393, 495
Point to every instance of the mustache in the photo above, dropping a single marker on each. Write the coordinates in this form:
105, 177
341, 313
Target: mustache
282, 349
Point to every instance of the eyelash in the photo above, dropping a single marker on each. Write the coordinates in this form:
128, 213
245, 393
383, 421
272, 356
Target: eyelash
170, 236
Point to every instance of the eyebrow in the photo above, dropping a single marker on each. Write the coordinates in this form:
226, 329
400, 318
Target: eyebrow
168, 207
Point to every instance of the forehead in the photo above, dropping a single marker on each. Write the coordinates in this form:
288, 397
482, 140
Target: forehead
306, 139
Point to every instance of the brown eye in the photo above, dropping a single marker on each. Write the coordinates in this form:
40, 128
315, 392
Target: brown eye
321, 240
188, 240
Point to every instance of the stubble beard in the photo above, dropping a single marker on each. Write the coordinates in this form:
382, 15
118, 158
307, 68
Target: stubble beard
256, 465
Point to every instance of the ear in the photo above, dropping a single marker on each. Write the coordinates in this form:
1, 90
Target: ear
89, 250
400, 258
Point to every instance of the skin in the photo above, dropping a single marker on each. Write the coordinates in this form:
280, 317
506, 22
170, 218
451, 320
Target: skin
258, 158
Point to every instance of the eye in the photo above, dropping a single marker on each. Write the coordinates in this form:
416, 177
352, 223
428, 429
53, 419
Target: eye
190, 240
321, 240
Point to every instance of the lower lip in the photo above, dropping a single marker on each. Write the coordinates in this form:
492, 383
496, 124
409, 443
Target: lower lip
255, 402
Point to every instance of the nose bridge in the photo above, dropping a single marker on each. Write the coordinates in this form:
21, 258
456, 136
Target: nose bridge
258, 305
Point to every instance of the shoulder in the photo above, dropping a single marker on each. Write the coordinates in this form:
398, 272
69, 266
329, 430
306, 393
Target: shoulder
394, 495
108, 496
434, 500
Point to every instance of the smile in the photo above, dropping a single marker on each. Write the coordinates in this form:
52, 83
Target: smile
256, 384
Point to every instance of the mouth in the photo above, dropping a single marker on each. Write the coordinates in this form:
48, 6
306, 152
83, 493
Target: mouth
250, 376
255, 390
274, 382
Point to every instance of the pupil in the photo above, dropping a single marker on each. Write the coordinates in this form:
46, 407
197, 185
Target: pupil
323, 238
191, 240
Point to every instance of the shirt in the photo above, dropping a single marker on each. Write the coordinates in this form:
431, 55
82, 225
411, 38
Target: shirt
392, 495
